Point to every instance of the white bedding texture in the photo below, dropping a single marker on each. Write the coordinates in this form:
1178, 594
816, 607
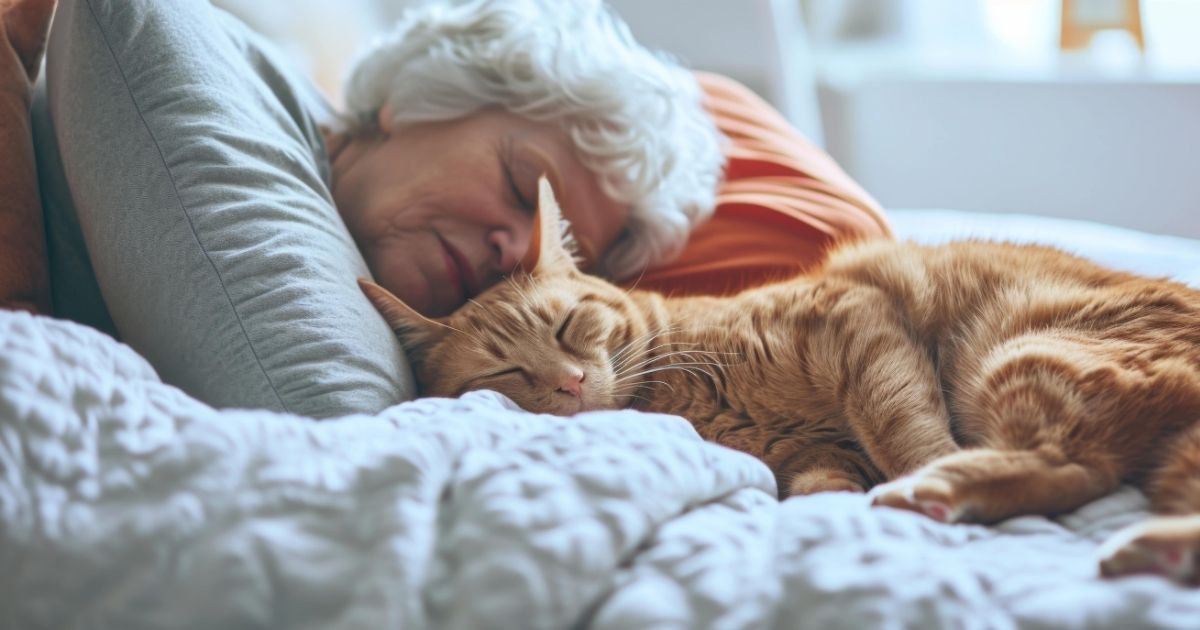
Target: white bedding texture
126, 504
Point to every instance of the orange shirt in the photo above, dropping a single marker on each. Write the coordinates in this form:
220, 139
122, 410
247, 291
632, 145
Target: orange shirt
783, 203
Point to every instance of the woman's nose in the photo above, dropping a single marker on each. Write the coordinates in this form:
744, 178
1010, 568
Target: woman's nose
508, 246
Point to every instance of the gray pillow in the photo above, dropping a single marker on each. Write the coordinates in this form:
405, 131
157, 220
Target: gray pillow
184, 156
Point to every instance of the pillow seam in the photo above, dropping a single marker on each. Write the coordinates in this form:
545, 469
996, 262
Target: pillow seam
183, 207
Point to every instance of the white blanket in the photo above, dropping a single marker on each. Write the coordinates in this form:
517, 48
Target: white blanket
125, 504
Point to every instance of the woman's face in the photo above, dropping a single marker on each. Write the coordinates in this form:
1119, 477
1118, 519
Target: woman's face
443, 210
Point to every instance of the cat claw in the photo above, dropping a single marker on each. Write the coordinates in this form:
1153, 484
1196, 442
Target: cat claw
1164, 546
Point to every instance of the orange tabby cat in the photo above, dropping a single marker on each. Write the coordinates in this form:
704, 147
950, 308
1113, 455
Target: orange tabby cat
969, 382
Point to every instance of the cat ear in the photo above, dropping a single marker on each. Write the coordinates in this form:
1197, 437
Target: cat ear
551, 245
412, 327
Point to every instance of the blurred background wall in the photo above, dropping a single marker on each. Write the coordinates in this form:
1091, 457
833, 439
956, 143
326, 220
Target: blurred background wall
966, 104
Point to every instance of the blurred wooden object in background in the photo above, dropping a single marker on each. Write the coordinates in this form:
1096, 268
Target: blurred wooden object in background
1081, 19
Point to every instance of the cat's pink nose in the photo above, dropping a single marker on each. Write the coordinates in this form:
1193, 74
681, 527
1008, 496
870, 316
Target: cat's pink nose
572, 382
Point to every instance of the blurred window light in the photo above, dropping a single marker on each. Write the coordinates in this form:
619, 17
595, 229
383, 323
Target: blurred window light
999, 33
1022, 26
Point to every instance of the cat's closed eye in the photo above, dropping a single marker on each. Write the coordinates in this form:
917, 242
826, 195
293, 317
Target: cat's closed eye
583, 330
564, 326
491, 379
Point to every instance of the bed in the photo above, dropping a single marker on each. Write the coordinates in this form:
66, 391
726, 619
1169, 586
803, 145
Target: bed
126, 503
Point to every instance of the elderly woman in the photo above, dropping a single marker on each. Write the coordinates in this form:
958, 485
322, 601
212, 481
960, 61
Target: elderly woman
452, 117
457, 112
451, 120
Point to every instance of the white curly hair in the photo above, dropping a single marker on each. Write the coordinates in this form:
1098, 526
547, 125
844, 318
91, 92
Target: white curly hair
634, 116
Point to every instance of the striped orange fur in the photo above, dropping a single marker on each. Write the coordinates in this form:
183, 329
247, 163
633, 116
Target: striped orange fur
970, 382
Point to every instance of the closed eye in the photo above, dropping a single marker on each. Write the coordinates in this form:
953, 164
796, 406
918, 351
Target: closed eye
562, 329
513, 370
491, 375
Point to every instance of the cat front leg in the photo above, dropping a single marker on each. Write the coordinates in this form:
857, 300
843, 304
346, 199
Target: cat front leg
827, 467
884, 382
817, 480
801, 466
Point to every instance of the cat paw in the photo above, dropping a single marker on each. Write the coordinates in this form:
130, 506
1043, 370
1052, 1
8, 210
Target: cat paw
926, 495
1164, 545
805, 483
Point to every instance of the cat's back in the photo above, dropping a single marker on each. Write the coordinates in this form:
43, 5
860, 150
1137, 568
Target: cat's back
941, 284
900, 266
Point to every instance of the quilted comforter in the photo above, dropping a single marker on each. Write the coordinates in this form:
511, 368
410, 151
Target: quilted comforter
126, 504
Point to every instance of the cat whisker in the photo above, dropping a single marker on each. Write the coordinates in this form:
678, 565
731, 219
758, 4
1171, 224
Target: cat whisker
650, 334
693, 361
637, 341
619, 365
463, 333
691, 371
633, 375
684, 353
644, 358
634, 343
641, 275
641, 398
459, 331
641, 383
684, 367
689, 354
627, 347
680, 366
651, 362
526, 299
662, 369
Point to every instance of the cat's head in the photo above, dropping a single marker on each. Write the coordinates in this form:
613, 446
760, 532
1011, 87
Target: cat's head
549, 337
